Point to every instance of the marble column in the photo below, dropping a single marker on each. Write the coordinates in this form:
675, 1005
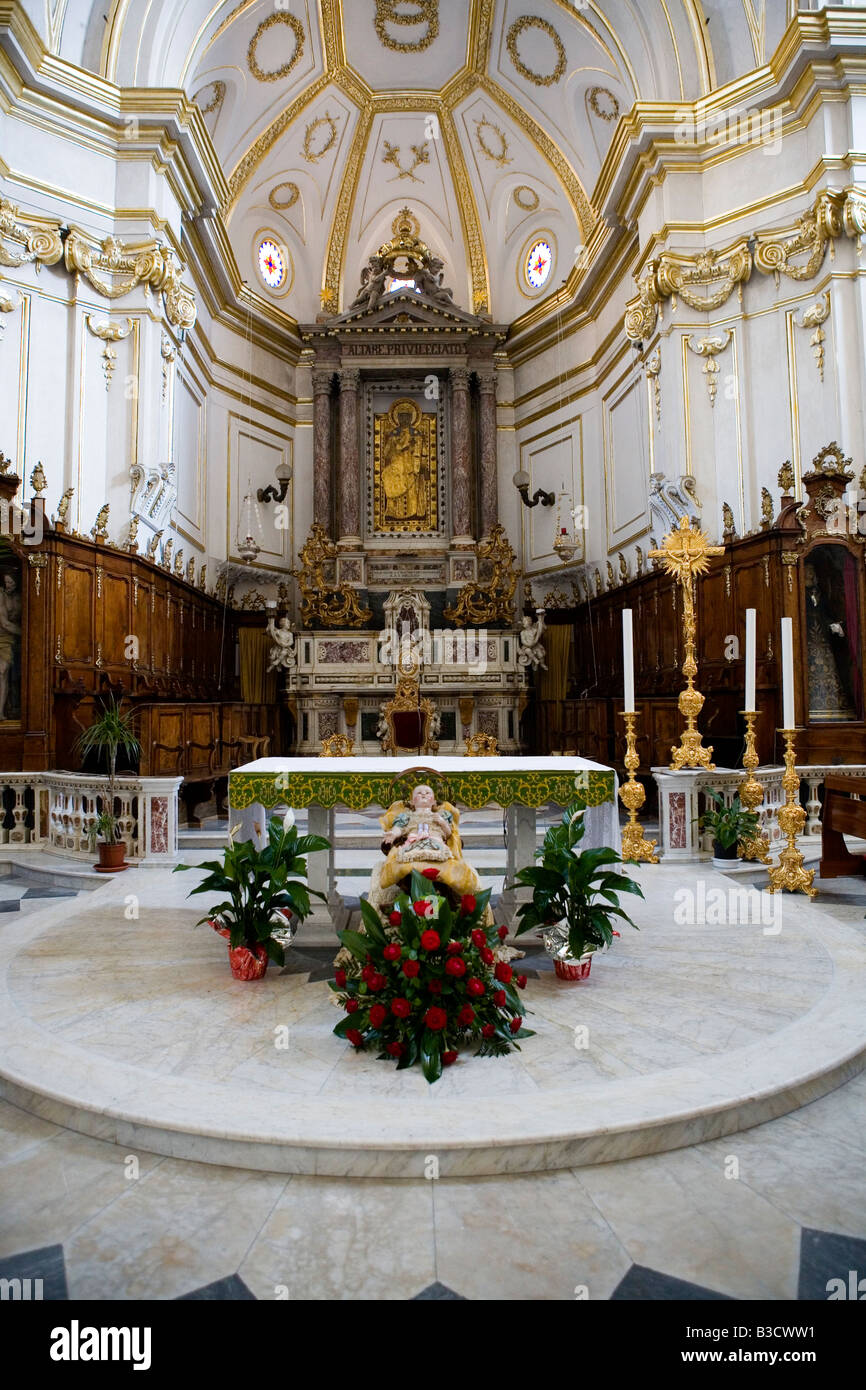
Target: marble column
322, 446
349, 483
489, 485
460, 470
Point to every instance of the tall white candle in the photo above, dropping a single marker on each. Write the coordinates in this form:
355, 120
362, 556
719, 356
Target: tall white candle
787, 673
750, 659
627, 661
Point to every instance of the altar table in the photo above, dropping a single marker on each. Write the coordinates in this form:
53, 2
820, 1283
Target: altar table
519, 785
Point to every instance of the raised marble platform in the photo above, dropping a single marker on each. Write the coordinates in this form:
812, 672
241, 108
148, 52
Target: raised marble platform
133, 1031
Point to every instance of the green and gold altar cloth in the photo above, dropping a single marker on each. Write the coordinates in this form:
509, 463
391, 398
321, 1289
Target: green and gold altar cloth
471, 782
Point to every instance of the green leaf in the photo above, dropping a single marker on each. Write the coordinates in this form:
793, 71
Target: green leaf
341, 1029
373, 923
357, 944
431, 1055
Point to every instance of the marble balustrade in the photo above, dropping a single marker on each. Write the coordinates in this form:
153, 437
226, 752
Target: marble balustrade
56, 812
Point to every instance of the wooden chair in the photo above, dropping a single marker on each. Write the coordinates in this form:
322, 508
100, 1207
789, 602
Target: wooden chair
338, 746
481, 746
408, 717
842, 815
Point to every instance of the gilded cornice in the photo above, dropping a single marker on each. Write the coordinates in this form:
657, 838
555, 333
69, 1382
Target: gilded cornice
707, 279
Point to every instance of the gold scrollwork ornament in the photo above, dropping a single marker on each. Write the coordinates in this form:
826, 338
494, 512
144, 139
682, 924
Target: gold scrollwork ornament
520, 26
297, 28
491, 600
323, 602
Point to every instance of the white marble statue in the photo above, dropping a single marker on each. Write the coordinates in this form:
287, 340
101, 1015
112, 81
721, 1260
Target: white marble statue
531, 651
282, 655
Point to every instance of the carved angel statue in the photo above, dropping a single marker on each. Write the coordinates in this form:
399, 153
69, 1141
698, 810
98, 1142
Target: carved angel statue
727, 520
63, 506
531, 650
373, 278
282, 655
100, 526
38, 480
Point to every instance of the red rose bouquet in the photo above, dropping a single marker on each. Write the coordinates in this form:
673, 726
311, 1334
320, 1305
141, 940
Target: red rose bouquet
438, 992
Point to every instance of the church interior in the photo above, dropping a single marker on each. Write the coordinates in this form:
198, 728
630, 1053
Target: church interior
432, 540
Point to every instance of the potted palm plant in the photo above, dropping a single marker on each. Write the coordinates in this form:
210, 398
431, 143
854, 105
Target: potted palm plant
729, 826
110, 734
575, 896
267, 895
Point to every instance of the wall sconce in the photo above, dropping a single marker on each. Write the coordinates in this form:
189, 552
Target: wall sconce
272, 494
521, 481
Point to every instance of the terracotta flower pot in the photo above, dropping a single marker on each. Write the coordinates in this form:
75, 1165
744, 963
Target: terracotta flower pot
111, 858
572, 969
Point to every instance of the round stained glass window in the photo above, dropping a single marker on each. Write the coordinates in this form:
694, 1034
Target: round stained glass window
538, 264
272, 264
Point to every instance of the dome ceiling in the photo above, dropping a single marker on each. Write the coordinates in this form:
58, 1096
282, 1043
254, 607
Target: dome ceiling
489, 122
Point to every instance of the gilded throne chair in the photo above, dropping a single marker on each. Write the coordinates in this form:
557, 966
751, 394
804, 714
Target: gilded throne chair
408, 718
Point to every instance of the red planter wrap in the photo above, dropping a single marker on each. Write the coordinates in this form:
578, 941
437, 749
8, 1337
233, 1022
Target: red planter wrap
245, 964
573, 969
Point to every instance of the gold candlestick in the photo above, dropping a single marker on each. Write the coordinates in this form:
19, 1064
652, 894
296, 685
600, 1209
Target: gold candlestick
684, 554
752, 793
635, 845
789, 873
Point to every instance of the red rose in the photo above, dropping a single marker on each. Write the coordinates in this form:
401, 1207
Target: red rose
435, 986
423, 907
430, 940
449, 1058
378, 1014
395, 918
521, 982
392, 951
454, 948
368, 972
516, 1024
488, 1031
614, 933
498, 998
400, 1007
468, 903
466, 1016
487, 955
410, 969
395, 1049
377, 982
351, 1006
475, 987
456, 966
503, 972
354, 1037
478, 937
435, 1019
339, 978
430, 873
502, 932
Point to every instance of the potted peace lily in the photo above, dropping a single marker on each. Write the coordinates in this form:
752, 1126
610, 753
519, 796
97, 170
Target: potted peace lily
729, 826
267, 895
110, 735
575, 897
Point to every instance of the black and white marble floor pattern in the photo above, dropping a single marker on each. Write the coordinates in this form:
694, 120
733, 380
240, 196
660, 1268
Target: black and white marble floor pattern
774, 1213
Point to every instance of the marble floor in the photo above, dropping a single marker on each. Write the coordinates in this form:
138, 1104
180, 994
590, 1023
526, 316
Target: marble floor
774, 1211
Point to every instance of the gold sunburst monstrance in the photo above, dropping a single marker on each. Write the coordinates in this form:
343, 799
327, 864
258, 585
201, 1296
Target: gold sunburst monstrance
685, 554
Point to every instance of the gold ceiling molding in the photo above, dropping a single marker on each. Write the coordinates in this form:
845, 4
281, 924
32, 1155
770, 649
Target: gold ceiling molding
468, 215
244, 170
292, 194
604, 113
339, 235
313, 153
498, 156
706, 280
423, 12
549, 149
216, 101
391, 155
520, 26
527, 204
279, 17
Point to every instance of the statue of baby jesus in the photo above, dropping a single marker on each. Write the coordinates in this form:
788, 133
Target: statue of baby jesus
421, 831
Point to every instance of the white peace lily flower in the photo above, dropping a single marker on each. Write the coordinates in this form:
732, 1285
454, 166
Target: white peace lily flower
288, 820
